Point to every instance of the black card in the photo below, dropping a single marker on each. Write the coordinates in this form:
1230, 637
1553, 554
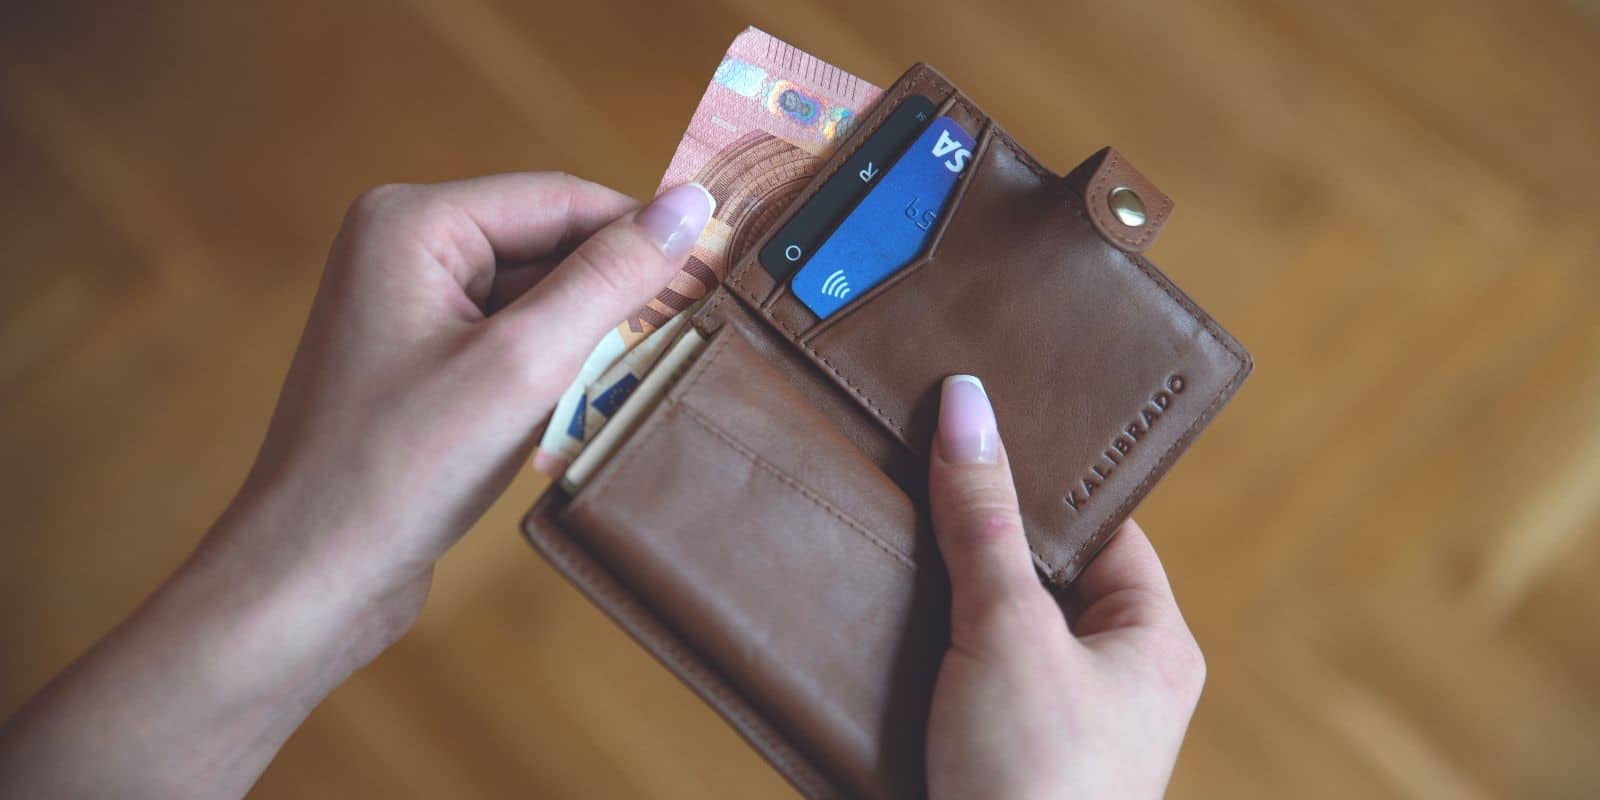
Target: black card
793, 244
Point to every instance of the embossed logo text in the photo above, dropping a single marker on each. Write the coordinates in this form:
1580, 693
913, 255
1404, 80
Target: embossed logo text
1124, 442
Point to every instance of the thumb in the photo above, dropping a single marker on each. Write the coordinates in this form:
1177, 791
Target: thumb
613, 272
974, 505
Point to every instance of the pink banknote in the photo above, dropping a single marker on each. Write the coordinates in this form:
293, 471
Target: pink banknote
770, 116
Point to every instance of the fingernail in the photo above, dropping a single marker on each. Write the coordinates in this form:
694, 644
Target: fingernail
967, 432
675, 218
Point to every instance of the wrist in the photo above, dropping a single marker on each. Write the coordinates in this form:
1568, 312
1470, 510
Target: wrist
198, 689
295, 595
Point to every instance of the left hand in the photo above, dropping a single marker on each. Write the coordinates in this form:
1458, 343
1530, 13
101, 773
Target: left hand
450, 319
410, 406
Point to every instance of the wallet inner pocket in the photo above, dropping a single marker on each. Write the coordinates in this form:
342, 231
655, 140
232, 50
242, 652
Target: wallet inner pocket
1098, 368
775, 548
930, 251
791, 315
1101, 371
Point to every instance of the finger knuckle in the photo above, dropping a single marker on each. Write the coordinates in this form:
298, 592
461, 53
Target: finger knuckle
985, 516
563, 179
612, 264
981, 493
1195, 667
1180, 667
378, 202
996, 521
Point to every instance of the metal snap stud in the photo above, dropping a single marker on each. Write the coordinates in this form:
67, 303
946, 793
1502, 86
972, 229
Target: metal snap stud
1128, 207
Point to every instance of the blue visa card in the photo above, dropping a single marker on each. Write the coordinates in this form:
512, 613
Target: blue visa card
891, 224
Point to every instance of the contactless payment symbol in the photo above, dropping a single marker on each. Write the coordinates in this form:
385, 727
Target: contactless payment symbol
837, 285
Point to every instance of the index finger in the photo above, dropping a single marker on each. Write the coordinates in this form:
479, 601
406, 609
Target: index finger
525, 215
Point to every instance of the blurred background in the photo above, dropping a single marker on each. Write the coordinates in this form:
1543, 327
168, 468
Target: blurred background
1387, 545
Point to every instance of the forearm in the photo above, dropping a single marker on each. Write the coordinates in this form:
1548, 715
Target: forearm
195, 692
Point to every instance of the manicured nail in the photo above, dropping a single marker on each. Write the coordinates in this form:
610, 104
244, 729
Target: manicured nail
674, 219
967, 432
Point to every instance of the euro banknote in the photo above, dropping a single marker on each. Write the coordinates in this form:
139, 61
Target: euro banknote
770, 116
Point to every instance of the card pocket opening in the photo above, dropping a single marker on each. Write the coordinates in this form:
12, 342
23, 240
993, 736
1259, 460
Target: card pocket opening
930, 251
792, 316
740, 402
733, 502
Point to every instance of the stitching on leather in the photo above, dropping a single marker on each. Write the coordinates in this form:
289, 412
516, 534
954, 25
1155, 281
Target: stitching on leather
755, 458
737, 278
858, 391
1102, 531
1097, 193
593, 578
923, 261
650, 425
838, 157
1097, 189
716, 302
653, 425
860, 394
1208, 325
990, 132
727, 700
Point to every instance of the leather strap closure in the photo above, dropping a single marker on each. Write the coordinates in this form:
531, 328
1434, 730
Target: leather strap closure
1125, 207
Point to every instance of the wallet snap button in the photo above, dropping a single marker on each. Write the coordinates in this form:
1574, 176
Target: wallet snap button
1125, 203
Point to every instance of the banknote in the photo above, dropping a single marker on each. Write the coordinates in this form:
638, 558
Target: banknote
677, 358
769, 117
607, 391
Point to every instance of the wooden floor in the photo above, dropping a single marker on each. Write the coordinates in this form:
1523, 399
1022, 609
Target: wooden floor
1388, 545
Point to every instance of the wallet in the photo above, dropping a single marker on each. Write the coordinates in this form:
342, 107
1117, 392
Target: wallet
763, 531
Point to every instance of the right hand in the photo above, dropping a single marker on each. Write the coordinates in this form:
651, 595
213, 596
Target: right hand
1026, 706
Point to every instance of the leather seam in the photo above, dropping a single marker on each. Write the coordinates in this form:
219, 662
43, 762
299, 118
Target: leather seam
1097, 193
779, 749
927, 257
755, 459
649, 427
716, 302
1102, 531
673, 649
850, 385
1092, 210
737, 279
635, 444
1101, 178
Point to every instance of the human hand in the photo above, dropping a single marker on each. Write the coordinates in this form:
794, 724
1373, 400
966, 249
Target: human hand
1027, 706
406, 412
409, 405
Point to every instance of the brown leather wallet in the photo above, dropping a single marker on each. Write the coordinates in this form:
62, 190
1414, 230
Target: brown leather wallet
763, 531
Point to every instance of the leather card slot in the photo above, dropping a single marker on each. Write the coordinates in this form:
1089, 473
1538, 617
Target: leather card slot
794, 318
1087, 347
746, 277
1100, 370
732, 504
763, 532
929, 252
958, 107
